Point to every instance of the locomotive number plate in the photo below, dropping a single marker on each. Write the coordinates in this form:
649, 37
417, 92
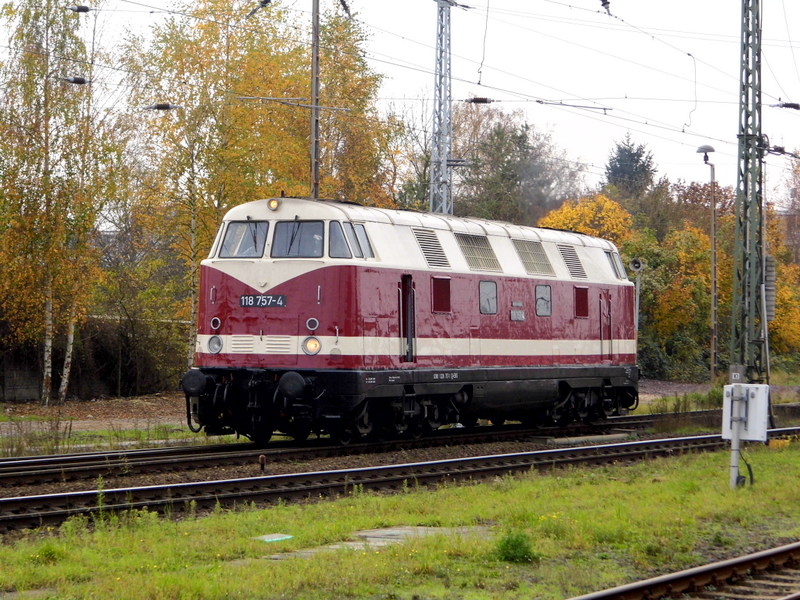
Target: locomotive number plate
263, 300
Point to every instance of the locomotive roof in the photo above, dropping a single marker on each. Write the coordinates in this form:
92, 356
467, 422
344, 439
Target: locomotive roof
335, 210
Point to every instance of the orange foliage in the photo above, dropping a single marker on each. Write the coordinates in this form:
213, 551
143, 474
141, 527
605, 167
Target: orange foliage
785, 329
598, 216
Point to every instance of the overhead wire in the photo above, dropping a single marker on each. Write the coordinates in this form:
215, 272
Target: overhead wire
642, 120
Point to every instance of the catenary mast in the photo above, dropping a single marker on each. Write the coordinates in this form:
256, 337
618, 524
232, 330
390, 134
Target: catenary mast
441, 143
749, 351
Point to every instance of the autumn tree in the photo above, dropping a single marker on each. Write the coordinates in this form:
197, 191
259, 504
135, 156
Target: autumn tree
356, 143
513, 172
598, 216
242, 129
59, 160
413, 156
791, 212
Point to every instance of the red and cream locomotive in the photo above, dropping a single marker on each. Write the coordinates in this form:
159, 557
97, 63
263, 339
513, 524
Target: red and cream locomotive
330, 317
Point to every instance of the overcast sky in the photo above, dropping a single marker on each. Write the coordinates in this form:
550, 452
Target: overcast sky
665, 71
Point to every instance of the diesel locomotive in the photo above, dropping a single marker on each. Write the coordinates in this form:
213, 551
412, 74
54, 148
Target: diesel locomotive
334, 318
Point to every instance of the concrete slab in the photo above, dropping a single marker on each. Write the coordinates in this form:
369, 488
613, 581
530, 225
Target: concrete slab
370, 539
273, 537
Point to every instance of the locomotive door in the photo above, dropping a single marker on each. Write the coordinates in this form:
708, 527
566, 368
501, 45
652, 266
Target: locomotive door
606, 330
407, 296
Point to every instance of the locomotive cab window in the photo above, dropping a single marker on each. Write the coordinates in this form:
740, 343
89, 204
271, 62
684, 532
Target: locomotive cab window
361, 234
616, 265
337, 245
244, 239
440, 294
488, 297
356, 236
544, 305
298, 239
350, 233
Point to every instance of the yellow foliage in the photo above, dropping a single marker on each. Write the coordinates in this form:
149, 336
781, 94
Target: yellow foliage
785, 329
598, 216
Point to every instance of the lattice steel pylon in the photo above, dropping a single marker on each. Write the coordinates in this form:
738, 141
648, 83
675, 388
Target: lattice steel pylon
442, 134
749, 350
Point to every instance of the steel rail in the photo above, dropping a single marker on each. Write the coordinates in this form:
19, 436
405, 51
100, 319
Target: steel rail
74, 467
716, 574
33, 511
33, 470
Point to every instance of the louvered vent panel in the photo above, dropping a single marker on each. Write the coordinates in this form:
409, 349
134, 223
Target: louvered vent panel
431, 248
478, 252
242, 344
279, 344
573, 262
533, 257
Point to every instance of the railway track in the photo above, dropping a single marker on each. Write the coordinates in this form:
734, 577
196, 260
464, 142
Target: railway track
33, 470
34, 511
773, 573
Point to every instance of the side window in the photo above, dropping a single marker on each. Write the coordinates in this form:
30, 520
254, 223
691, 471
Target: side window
581, 302
361, 234
616, 265
440, 294
244, 239
350, 232
488, 297
298, 239
337, 245
544, 306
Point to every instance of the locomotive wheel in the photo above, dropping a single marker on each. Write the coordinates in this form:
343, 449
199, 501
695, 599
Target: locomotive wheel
399, 428
300, 434
261, 438
344, 436
363, 424
418, 427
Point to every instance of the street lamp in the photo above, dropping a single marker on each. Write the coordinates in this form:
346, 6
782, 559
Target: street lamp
704, 150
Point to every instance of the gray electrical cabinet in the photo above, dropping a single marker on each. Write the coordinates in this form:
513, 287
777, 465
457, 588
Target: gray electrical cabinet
746, 404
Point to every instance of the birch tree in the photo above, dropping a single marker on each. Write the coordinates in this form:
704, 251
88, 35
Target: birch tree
52, 188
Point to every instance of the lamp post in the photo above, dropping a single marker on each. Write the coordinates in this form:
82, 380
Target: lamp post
704, 150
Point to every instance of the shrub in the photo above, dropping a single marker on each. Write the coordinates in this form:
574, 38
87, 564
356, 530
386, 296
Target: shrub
516, 547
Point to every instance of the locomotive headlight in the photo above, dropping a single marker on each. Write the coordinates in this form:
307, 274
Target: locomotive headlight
273, 204
215, 344
311, 346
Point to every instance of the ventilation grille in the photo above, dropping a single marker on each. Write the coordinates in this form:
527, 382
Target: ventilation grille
279, 344
533, 257
478, 252
242, 344
431, 248
573, 262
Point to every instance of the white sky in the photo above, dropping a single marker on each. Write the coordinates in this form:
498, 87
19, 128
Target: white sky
635, 63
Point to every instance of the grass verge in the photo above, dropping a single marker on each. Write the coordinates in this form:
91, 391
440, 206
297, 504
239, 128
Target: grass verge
54, 435
551, 536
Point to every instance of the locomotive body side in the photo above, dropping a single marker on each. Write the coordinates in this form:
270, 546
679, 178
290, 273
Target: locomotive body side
345, 319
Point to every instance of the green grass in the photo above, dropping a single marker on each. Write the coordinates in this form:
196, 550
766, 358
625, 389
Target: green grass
51, 435
552, 536
780, 377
